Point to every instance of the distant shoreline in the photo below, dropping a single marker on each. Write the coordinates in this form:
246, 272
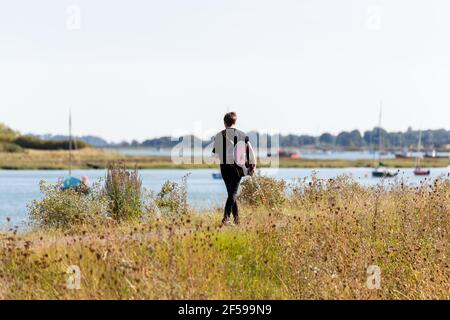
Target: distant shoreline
100, 159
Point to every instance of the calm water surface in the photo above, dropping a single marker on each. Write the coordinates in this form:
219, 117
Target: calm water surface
306, 154
18, 188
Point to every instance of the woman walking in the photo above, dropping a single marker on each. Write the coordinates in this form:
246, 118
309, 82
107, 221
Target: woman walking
236, 160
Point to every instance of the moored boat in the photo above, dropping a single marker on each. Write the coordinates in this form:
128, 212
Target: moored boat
418, 171
380, 171
71, 182
288, 154
406, 155
217, 175
434, 155
384, 173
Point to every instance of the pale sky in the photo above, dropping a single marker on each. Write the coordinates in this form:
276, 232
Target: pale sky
138, 69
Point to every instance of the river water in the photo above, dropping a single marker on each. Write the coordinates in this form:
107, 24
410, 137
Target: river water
20, 187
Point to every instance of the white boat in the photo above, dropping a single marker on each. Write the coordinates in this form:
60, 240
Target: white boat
419, 171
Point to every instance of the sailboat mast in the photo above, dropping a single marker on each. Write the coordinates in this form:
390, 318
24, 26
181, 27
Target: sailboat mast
70, 142
419, 144
379, 138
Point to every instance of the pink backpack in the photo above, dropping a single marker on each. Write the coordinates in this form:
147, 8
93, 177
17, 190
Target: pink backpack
244, 157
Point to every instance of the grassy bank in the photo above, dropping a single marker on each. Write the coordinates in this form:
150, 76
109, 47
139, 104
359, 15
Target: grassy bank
89, 158
81, 159
315, 241
394, 163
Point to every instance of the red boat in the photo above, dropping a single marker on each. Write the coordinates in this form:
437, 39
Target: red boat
418, 171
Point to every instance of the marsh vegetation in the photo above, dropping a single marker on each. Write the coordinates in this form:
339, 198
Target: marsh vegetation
91, 158
309, 239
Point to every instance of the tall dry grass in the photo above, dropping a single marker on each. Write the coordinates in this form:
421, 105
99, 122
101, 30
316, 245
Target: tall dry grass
123, 188
317, 244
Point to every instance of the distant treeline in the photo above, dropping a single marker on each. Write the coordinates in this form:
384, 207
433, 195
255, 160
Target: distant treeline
30, 142
344, 140
13, 141
348, 140
370, 139
90, 140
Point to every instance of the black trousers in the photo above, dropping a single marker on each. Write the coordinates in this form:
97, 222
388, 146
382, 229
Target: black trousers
232, 178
